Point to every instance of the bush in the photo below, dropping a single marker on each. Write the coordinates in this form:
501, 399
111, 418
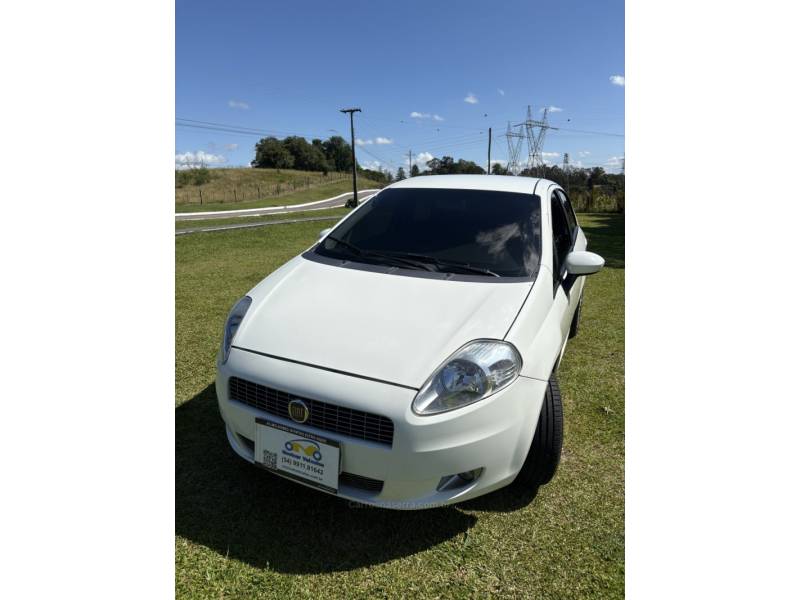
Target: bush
192, 177
601, 201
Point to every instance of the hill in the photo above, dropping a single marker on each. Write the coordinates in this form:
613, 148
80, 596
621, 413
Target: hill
235, 186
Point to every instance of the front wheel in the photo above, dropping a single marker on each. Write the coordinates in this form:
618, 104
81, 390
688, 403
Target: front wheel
545, 452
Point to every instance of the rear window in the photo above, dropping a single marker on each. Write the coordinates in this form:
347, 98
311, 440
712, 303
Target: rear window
498, 231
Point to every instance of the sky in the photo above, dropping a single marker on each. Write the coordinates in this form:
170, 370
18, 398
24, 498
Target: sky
429, 77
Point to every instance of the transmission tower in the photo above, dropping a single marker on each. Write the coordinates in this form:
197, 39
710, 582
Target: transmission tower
534, 132
565, 168
514, 139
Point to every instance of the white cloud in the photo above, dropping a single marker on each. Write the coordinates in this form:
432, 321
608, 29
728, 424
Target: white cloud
617, 80
421, 115
377, 140
421, 160
553, 109
471, 99
375, 165
584, 153
238, 104
551, 154
231, 147
615, 161
501, 92
188, 160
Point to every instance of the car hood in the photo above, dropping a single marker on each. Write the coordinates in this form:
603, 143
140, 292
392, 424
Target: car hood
385, 326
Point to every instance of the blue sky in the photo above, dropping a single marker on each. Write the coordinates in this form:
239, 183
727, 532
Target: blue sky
430, 77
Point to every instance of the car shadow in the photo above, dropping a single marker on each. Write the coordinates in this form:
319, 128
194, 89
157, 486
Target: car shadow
605, 234
507, 499
239, 511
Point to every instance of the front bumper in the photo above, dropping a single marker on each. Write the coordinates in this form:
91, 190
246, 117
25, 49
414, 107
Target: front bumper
493, 434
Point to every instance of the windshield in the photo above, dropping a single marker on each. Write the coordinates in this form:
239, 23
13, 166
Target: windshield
479, 232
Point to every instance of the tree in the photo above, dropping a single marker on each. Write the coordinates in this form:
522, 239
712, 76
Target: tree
307, 157
338, 153
271, 153
468, 167
378, 176
597, 176
414, 170
498, 169
401, 174
447, 166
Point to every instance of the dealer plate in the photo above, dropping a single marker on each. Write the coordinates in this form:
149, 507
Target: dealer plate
299, 455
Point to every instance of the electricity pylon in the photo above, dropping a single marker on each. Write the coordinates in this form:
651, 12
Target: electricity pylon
535, 138
514, 139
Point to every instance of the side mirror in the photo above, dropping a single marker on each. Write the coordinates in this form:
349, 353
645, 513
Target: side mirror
584, 263
324, 232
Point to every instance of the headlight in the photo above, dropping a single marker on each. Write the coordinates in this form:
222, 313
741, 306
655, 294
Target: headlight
474, 372
232, 324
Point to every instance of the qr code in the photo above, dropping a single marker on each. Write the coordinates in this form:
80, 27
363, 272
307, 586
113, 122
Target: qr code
270, 460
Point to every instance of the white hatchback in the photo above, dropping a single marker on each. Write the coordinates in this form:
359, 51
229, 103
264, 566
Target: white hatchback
407, 360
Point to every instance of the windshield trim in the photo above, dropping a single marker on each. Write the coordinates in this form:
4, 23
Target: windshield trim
354, 263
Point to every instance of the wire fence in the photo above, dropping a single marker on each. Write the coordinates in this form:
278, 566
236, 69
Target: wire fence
242, 192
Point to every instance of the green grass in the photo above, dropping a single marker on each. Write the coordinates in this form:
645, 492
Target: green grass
333, 213
224, 181
241, 533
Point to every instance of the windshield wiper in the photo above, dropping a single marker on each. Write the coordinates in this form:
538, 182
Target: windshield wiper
391, 258
352, 247
445, 263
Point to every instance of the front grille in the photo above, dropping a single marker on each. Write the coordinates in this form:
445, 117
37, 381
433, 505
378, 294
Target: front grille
349, 479
325, 416
363, 483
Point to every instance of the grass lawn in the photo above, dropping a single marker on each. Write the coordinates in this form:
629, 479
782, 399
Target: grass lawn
241, 533
333, 213
317, 192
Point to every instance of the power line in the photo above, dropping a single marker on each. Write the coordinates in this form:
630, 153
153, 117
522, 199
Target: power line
241, 130
591, 132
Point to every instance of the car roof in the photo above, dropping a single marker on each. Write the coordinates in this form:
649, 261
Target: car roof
497, 183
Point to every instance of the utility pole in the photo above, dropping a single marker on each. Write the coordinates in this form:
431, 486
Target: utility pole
489, 159
566, 169
409, 163
354, 202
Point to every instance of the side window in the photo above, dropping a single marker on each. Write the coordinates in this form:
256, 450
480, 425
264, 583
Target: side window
571, 219
562, 235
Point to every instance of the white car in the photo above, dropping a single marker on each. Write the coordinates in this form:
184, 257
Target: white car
407, 360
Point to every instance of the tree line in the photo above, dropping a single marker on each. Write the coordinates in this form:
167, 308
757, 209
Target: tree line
573, 178
294, 152
335, 154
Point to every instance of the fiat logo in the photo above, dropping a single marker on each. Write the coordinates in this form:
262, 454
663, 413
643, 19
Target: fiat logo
298, 411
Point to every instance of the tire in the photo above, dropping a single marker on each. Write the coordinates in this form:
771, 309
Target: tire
573, 327
545, 453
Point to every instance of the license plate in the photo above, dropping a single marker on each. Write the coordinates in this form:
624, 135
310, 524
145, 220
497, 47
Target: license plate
299, 455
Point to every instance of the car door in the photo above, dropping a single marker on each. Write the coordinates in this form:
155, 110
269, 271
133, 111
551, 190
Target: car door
566, 234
